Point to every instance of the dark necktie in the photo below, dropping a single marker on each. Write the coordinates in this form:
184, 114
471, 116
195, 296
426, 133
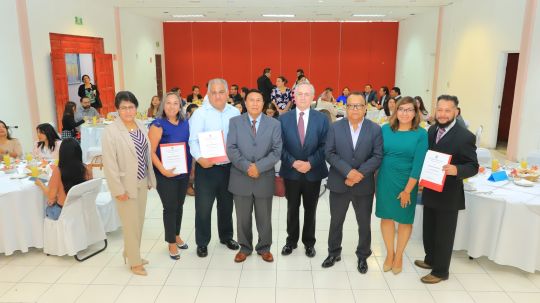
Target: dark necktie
440, 133
253, 127
301, 132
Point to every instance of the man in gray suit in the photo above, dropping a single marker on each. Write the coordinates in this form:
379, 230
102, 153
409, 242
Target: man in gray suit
254, 147
354, 149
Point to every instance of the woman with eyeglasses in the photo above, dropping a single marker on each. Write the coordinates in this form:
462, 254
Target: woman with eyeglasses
404, 147
127, 164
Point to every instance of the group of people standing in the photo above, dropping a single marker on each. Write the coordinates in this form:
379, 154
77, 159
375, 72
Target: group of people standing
364, 160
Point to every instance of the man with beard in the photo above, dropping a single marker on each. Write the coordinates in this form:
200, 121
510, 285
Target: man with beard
86, 110
441, 208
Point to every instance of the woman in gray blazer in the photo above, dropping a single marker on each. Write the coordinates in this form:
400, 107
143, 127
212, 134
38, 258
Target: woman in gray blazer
128, 169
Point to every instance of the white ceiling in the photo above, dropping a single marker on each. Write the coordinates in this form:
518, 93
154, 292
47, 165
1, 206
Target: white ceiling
305, 10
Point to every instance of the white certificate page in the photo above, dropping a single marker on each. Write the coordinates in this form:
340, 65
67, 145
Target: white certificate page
432, 170
173, 155
212, 144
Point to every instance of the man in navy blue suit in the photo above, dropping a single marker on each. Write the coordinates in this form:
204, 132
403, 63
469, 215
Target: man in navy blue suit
303, 166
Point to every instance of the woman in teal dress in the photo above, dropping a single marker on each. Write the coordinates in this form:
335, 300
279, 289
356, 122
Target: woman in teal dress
405, 146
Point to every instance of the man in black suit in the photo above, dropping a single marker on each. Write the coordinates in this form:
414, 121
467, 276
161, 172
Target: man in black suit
265, 85
395, 93
370, 95
303, 131
441, 208
354, 149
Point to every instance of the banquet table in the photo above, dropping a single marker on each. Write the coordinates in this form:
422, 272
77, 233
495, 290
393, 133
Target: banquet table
501, 221
22, 209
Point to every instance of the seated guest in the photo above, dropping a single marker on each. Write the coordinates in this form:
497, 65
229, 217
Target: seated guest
384, 96
234, 95
195, 96
48, 142
370, 95
240, 106
343, 98
243, 92
190, 110
178, 92
8, 145
460, 120
387, 111
69, 124
327, 95
423, 111
271, 111
69, 172
86, 110
154, 106
395, 93
281, 96
326, 102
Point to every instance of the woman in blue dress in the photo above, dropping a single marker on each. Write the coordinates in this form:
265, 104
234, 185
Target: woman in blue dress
404, 145
170, 127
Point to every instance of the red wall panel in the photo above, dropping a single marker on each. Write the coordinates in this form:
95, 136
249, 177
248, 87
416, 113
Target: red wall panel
178, 57
331, 53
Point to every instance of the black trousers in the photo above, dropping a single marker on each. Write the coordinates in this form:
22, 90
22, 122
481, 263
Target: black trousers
439, 229
339, 204
172, 193
211, 184
296, 192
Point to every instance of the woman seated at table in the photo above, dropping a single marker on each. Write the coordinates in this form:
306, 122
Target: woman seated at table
48, 142
195, 96
388, 109
425, 114
8, 145
69, 125
154, 106
69, 172
271, 111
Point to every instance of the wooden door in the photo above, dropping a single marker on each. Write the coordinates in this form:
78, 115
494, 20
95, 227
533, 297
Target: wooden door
505, 114
103, 65
159, 76
61, 94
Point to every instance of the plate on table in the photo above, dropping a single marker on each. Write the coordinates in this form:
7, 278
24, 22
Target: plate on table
18, 176
523, 182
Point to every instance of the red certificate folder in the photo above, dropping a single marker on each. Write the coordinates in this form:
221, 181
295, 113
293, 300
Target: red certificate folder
431, 185
181, 145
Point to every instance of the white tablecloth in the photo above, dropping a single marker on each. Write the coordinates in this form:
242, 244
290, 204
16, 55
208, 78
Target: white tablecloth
501, 221
22, 210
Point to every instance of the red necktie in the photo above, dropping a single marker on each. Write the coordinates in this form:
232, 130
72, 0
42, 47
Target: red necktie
301, 132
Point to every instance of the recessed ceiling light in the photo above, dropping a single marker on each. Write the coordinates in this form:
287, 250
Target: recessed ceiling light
367, 15
278, 15
189, 16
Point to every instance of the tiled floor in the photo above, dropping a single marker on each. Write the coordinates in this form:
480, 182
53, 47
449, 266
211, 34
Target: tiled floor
35, 277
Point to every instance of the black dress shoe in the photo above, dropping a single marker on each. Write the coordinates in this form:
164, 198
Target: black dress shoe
287, 249
231, 244
310, 251
330, 261
202, 251
362, 266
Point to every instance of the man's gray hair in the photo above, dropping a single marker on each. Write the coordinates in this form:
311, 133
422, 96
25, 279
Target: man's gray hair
311, 88
218, 81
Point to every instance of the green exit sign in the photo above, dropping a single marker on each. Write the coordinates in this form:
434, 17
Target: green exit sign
78, 20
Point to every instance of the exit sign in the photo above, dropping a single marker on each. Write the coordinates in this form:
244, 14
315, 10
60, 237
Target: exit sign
78, 20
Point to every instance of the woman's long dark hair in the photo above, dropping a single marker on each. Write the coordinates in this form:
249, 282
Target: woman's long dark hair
70, 163
386, 108
69, 109
7, 130
422, 107
50, 133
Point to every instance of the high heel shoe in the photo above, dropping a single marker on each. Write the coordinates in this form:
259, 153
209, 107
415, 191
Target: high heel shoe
139, 270
387, 268
174, 257
184, 245
396, 270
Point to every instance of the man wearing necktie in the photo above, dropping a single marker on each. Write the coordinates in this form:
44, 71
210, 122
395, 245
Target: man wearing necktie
441, 208
354, 149
302, 166
254, 148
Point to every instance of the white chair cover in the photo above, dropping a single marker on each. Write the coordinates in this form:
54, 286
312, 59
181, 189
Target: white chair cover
478, 135
78, 226
533, 158
107, 209
484, 156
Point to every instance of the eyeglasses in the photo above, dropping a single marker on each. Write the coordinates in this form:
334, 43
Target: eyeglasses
356, 106
304, 94
127, 108
221, 92
406, 110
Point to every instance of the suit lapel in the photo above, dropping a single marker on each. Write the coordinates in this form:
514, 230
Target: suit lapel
247, 121
310, 127
294, 127
347, 132
262, 125
447, 136
124, 132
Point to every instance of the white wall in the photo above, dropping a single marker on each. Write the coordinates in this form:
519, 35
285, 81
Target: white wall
416, 55
476, 35
58, 16
14, 100
139, 36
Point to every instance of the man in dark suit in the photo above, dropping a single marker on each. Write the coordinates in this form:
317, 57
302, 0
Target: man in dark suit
254, 148
303, 131
370, 95
441, 208
265, 85
354, 149
395, 93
